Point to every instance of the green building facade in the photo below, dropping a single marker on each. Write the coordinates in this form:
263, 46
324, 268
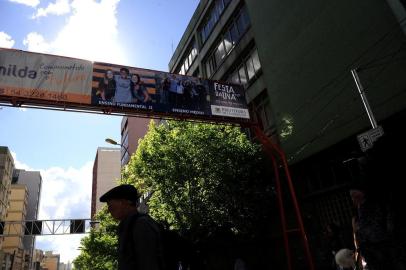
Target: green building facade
295, 60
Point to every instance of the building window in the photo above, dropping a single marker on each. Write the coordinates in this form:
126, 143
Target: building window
243, 20
220, 52
260, 109
247, 71
196, 73
125, 127
210, 66
125, 159
242, 73
188, 59
227, 41
212, 18
124, 153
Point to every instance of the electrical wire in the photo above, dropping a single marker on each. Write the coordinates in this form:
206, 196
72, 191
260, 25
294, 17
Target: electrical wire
337, 116
345, 73
368, 65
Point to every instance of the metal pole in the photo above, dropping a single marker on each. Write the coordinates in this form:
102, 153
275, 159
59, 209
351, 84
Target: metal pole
297, 210
296, 207
278, 152
364, 98
282, 212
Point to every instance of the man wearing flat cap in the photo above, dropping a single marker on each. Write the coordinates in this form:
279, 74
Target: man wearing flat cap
139, 241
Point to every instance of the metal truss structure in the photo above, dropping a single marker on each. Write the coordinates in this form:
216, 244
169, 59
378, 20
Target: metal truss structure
45, 227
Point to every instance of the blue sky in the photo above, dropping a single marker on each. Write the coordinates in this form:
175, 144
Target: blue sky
62, 145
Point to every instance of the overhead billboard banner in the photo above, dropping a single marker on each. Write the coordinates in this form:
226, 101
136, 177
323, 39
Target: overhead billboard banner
68, 81
44, 77
161, 92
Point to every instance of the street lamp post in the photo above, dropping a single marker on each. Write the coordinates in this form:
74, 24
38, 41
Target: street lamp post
113, 142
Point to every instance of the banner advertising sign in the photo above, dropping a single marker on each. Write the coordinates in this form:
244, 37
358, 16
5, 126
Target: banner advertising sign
60, 80
129, 87
44, 77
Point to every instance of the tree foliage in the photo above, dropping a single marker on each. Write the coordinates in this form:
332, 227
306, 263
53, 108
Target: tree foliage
99, 248
198, 177
201, 177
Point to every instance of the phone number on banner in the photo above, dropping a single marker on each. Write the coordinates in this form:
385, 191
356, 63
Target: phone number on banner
33, 93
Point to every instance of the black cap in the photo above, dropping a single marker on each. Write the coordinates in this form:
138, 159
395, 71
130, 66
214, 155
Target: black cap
126, 192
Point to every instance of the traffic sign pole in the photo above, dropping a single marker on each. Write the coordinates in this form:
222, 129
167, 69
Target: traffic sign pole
364, 98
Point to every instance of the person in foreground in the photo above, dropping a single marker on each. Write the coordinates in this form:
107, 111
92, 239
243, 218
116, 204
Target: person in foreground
373, 230
139, 239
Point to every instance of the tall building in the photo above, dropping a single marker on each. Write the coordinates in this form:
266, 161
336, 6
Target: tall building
294, 60
65, 266
106, 173
50, 261
37, 258
16, 213
6, 173
132, 129
108, 161
33, 181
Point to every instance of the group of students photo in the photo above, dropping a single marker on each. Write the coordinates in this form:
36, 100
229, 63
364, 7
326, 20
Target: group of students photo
122, 88
184, 92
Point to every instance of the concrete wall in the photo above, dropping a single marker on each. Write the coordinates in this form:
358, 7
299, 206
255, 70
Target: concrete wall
6, 173
307, 49
18, 198
33, 181
106, 174
50, 261
135, 128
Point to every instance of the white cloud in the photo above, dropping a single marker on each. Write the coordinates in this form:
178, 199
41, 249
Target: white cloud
60, 7
36, 43
31, 3
65, 194
6, 41
18, 164
65, 245
89, 33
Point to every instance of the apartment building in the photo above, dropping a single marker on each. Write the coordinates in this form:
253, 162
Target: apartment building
50, 261
132, 129
33, 181
106, 173
294, 60
16, 214
6, 173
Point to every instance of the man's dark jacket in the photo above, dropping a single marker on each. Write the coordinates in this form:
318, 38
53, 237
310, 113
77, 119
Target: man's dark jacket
140, 245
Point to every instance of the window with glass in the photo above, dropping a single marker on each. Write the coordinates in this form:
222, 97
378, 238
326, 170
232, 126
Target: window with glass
188, 59
212, 18
124, 151
220, 52
210, 66
247, 70
196, 73
242, 73
227, 41
260, 109
242, 20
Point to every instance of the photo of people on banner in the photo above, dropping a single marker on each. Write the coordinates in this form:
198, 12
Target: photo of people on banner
117, 86
141, 89
184, 94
